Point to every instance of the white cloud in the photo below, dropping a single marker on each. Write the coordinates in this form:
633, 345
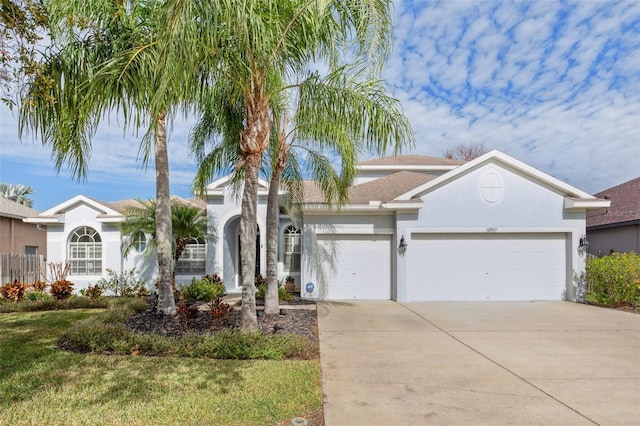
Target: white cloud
554, 84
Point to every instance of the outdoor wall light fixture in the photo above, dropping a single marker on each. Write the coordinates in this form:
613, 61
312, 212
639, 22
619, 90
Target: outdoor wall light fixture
583, 246
402, 247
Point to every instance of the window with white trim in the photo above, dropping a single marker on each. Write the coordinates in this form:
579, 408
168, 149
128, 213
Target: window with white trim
85, 251
193, 260
291, 249
139, 241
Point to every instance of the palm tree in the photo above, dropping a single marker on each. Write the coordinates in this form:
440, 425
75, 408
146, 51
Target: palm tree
188, 222
255, 45
17, 192
105, 58
364, 116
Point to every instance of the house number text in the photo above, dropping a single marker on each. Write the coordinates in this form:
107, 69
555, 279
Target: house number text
492, 229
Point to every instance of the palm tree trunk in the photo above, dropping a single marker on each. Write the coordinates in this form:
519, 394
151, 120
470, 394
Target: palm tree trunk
248, 220
271, 302
166, 300
254, 140
180, 246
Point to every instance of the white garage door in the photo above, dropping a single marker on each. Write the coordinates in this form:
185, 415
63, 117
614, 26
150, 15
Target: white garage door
486, 267
361, 266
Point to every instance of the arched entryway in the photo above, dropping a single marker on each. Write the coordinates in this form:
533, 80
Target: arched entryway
232, 260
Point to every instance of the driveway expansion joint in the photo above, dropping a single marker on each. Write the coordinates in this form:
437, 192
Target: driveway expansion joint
488, 358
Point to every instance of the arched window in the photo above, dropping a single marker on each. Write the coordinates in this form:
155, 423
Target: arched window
291, 249
193, 260
85, 251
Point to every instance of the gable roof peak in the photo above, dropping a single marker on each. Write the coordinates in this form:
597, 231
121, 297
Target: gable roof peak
499, 157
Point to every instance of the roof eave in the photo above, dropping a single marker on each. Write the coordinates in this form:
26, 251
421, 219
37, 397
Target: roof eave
44, 220
411, 168
310, 208
613, 225
576, 204
110, 219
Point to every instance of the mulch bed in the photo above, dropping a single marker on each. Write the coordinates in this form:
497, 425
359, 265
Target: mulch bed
293, 321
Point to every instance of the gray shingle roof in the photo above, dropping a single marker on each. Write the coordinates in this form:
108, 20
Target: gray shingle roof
385, 189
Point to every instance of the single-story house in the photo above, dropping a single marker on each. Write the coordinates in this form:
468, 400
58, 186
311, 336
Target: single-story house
415, 229
85, 232
616, 227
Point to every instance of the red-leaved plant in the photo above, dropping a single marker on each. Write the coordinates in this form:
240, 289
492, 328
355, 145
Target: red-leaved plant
61, 289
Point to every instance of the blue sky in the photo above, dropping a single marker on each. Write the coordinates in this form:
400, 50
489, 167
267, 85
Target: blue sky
553, 84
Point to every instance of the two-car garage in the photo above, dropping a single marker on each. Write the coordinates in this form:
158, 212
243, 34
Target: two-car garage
493, 229
447, 267
486, 266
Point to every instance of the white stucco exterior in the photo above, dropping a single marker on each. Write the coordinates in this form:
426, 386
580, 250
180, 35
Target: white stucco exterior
468, 219
490, 229
78, 212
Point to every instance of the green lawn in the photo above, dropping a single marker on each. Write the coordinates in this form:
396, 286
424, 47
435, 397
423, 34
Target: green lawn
40, 384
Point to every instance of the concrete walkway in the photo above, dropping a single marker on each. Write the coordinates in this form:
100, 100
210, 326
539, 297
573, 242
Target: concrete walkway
561, 363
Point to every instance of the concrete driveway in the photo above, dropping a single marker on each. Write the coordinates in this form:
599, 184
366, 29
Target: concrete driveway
386, 363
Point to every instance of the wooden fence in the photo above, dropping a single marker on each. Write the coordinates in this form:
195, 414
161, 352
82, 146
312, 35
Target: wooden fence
26, 268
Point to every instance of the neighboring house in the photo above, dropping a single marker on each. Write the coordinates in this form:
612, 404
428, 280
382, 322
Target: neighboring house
85, 232
616, 227
415, 228
16, 236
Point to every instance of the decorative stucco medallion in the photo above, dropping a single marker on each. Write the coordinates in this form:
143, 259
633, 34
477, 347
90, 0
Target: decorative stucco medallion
491, 187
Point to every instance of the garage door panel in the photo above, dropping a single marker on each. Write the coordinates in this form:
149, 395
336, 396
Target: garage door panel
486, 267
362, 266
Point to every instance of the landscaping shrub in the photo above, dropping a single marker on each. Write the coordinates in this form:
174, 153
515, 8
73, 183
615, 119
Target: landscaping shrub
61, 289
220, 311
35, 295
40, 286
187, 313
202, 290
213, 278
105, 333
75, 302
262, 288
614, 279
123, 284
47, 303
14, 291
93, 292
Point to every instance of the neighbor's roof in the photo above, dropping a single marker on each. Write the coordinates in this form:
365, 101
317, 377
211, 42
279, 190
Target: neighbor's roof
410, 160
9, 208
385, 189
625, 205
